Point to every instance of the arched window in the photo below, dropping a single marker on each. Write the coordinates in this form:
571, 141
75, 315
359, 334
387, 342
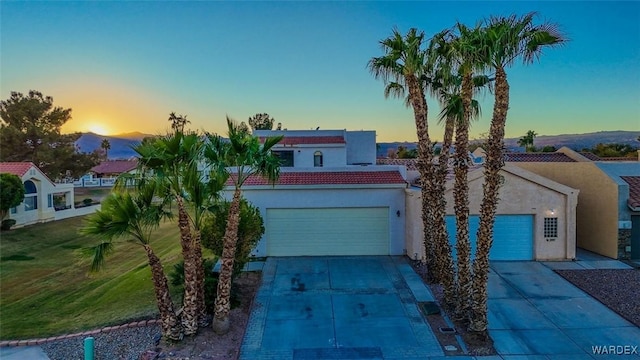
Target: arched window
30, 196
317, 159
30, 187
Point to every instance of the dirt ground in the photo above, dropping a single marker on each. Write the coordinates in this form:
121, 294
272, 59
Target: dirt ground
208, 345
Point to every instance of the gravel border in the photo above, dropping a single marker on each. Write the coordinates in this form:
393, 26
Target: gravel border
617, 289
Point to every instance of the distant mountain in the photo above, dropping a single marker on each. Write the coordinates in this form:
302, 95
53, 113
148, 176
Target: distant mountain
573, 141
136, 135
120, 147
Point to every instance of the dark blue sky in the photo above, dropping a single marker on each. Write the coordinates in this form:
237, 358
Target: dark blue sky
123, 66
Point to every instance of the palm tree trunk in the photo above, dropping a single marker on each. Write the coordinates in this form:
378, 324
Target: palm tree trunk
197, 254
461, 200
190, 300
424, 163
445, 271
492, 166
223, 296
171, 328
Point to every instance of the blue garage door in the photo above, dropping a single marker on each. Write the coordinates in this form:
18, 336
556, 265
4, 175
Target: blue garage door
512, 236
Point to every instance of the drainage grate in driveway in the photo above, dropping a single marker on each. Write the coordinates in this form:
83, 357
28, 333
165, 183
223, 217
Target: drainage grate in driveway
338, 353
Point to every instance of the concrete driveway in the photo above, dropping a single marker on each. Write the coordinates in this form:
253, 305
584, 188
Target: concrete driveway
339, 308
534, 312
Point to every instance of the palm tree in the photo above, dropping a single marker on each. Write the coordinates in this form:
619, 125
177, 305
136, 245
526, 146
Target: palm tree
506, 39
136, 214
241, 156
174, 160
458, 56
401, 68
106, 146
178, 122
527, 141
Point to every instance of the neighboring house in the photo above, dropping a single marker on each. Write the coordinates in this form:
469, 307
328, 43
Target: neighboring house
42, 196
105, 173
113, 168
331, 198
535, 218
608, 222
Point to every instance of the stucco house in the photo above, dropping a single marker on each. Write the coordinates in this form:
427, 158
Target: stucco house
607, 217
535, 218
331, 198
42, 196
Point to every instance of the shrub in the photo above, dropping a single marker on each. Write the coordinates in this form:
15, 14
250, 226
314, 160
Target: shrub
87, 201
7, 224
250, 231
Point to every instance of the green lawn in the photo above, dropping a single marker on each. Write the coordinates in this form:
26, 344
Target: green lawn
46, 288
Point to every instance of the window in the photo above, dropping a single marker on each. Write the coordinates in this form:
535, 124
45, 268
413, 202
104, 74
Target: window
550, 227
286, 157
31, 196
50, 200
317, 159
14, 210
30, 203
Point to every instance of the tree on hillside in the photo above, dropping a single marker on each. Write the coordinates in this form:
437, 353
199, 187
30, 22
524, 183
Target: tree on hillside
404, 153
612, 150
527, 141
241, 156
30, 131
11, 193
261, 122
178, 122
105, 145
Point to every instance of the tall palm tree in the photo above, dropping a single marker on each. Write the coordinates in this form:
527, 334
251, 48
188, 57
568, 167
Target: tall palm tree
527, 141
136, 214
241, 157
174, 160
106, 146
401, 68
505, 40
458, 55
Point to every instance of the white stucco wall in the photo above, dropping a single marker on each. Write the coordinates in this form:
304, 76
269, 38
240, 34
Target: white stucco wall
361, 147
284, 197
333, 156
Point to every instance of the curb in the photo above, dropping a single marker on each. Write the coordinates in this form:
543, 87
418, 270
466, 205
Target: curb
40, 341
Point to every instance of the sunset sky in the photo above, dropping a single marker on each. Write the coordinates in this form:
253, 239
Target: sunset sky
124, 66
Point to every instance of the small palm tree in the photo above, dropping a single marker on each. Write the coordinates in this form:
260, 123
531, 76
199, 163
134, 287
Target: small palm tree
106, 146
241, 156
505, 40
402, 68
136, 214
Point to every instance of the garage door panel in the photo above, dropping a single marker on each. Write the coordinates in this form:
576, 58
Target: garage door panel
330, 231
512, 236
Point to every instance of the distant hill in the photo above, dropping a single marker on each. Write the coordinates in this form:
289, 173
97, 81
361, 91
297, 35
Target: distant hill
120, 147
136, 135
573, 141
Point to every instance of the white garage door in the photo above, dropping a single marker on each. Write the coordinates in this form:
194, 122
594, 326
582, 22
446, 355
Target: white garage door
327, 231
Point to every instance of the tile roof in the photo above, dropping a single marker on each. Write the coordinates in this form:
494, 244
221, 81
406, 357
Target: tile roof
634, 191
15, 168
115, 166
537, 157
330, 178
309, 140
409, 163
619, 158
590, 156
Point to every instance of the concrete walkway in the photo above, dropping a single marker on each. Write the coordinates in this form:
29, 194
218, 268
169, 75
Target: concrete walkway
339, 308
534, 312
23, 353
